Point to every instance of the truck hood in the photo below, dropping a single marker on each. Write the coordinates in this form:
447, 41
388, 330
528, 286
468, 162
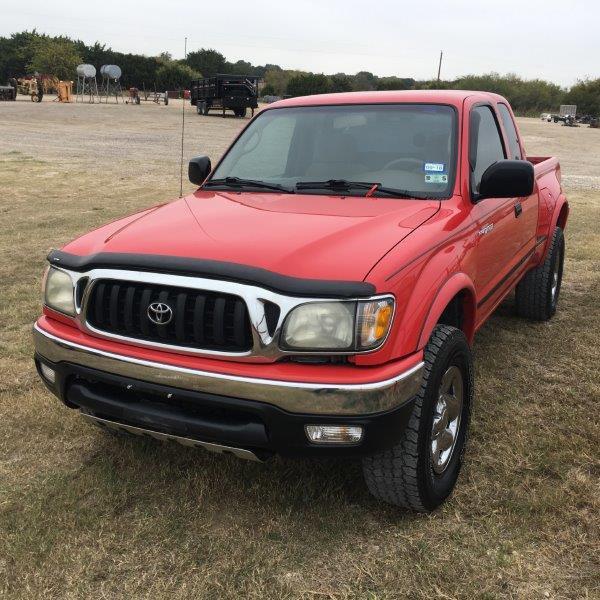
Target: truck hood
310, 236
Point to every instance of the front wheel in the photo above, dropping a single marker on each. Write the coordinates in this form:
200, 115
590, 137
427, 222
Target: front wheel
421, 470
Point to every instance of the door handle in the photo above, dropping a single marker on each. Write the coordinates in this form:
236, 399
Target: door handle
518, 209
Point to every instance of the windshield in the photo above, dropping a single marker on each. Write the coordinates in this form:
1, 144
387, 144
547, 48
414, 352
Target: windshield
409, 148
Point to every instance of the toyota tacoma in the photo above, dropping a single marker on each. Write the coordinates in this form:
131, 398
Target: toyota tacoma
319, 293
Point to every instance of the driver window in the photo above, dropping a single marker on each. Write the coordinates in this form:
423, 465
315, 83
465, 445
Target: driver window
485, 143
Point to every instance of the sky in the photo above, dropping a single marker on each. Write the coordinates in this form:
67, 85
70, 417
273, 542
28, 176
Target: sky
551, 39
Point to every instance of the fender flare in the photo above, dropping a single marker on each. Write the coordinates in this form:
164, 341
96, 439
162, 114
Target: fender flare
560, 213
456, 283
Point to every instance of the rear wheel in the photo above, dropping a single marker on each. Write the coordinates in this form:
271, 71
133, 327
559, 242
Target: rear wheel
240, 112
421, 470
537, 293
205, 108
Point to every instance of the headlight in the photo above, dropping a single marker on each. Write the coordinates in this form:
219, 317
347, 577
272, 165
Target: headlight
59, 292
341, 326
320, 326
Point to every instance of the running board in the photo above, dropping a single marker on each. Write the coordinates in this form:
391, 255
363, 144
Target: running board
159, 435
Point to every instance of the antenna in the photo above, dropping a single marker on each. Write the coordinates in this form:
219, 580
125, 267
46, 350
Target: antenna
440, 65
182, 127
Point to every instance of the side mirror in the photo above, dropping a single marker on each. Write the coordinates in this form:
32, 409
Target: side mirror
507, 179
198, 169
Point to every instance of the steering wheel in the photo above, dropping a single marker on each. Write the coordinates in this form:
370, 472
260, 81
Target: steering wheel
405, 164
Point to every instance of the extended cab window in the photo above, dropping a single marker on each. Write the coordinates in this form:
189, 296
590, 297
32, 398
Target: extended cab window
511, 132
406, 147
485, 143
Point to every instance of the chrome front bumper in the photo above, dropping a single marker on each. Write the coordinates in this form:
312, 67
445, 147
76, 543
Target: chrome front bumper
295, 397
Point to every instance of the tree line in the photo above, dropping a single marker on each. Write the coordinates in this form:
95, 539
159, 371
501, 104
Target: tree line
29, 52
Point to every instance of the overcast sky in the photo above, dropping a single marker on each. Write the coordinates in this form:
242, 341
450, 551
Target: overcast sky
556, 40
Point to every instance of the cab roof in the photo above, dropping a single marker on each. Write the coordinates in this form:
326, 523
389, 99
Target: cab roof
452, 97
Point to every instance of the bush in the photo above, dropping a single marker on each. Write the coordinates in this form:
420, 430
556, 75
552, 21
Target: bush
174, 75
306, 84
268, 90
586, 95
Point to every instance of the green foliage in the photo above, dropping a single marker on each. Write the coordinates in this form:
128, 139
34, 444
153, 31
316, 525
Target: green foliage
54, 56
306, 84
278, 79
268, 90
586, 95
174, 75
364, 81
209, 62
525, 96
21, 53
340, 82
395, 83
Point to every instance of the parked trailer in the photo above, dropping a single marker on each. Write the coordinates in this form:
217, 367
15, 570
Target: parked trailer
237, 93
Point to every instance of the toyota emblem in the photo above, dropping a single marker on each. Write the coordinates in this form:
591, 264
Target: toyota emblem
160, 313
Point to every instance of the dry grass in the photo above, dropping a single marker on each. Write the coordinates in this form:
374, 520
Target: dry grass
85, 515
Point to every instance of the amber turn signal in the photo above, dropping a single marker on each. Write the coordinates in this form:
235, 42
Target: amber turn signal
373, 322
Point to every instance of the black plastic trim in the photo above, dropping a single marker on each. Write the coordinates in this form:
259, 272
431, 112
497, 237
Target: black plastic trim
265, 430
497, 287
213, 269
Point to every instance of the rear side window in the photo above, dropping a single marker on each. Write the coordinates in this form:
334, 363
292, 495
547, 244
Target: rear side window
511, 132
485, 143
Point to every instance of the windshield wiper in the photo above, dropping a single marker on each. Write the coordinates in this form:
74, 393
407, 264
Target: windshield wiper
238, 182
342, 185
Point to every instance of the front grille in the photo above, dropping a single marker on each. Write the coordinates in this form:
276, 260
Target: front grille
200, 319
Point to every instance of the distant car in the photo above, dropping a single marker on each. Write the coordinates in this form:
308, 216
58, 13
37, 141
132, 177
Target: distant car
546, 117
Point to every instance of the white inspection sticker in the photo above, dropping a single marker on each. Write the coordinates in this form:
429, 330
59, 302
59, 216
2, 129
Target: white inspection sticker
435, 167
436, 178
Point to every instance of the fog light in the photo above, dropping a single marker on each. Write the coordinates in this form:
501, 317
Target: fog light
48, 373
334, 434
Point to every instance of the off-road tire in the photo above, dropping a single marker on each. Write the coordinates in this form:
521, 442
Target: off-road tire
535, 298
404, 475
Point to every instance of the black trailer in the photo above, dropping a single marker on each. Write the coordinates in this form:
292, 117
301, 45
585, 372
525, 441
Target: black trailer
237, 93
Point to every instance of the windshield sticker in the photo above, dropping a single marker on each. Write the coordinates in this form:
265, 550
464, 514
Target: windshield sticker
435, 167
436, 178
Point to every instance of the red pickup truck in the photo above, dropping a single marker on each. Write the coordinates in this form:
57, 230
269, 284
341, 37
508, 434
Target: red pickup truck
318, 294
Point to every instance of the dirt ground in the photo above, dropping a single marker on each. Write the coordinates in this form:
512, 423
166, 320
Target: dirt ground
85, 515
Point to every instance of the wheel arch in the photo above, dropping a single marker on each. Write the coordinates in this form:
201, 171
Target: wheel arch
561, 214
454, 304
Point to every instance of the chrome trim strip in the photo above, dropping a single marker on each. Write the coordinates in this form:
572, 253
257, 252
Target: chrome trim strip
300, 397
265, 347
163, 437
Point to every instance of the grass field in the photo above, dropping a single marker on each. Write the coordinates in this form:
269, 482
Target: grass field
85, 515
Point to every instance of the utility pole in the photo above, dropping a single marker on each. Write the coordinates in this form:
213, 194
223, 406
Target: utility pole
440, 65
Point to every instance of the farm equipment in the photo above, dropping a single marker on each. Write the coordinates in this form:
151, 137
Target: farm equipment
225, 92
64, 91
134, 96
9, 92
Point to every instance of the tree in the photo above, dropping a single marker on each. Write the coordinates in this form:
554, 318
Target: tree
268, 90
278, 79
340, 82
56, 57
395, 83
306, 84
364, 80
209, 62
586, 95
175, 75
